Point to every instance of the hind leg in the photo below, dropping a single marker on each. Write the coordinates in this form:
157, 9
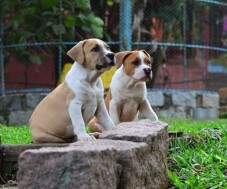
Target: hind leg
47, 138
94, 126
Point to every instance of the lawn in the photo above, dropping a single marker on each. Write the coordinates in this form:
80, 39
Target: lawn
199, 162
15, 135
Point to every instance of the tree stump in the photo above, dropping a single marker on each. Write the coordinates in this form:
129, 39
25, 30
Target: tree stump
131, 157
154, 134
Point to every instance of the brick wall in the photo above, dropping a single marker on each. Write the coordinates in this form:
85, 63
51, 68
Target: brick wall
17, 109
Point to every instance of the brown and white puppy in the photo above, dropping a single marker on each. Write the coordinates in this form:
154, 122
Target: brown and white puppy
127, 96
128, 88
63, 114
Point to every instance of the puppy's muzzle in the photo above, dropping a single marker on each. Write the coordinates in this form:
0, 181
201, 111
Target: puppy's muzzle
111, 57
147, 71
110, 62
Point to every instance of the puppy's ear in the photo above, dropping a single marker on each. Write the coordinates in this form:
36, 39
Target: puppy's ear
77, 52
147, 54
120, 57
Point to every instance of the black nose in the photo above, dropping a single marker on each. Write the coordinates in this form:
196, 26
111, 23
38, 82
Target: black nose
147, 71
110, 56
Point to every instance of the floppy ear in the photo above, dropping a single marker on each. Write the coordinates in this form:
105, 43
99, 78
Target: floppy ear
120, 57
147, 54
77, 52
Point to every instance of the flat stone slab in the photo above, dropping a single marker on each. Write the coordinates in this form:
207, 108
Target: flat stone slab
99, 164
154, 134
141, 131
9, 154
136, 161
205, 113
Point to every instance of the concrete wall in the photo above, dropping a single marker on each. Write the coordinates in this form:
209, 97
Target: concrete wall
16, 109
223, 102
185, 104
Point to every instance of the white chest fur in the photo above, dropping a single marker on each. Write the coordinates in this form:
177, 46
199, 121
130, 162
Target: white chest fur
123, 87
87, 94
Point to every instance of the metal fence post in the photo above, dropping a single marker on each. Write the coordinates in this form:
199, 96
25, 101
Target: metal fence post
185, 64
125, 24
60, 50
2, 73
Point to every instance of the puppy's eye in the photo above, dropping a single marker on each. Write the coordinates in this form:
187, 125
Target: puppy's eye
136, 63
96, 48
148, 63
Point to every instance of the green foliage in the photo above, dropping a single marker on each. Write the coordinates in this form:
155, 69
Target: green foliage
200, 162
83, 4
47, 20
111, 2
171, 14
15, 135
168, 10
221, 60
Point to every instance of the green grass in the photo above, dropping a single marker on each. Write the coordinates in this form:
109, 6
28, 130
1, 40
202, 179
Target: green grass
199, 162
192, 126
15, 135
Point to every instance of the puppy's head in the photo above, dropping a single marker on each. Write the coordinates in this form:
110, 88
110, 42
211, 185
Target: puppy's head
93, 54
136, 64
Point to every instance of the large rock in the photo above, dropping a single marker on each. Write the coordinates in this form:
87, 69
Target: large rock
205, 113
156, 136
100, 164
2, 120
223, 96
84, 165
156, 98
136, 161
33, 99
19, 117
223, 111
210, 100
180, 98
176, 112
11, 102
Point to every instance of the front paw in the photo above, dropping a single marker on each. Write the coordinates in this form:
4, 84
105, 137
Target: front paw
110, 127
85, 137
113, 127
95, 134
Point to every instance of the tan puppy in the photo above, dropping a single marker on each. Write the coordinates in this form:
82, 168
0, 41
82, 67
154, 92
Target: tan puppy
63, 114
128, 94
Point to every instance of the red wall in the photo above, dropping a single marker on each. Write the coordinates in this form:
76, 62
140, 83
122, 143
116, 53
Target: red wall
30, 75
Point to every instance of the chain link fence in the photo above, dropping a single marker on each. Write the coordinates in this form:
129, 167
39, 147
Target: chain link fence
190, 36
35, 36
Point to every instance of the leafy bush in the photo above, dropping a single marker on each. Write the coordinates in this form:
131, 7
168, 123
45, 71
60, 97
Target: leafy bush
48, 20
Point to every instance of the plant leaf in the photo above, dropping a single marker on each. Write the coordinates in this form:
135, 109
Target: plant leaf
70, 21
49, 3
83, 4
35, 59
58, 29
